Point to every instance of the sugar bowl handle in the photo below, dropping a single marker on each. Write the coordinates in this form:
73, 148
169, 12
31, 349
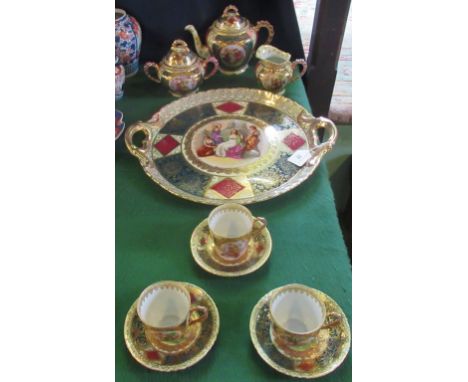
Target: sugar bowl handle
265, 24
202, 317
294, 64
311, 125
215, 63
147, 68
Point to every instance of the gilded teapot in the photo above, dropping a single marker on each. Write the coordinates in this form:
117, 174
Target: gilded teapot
231, 39
181, 70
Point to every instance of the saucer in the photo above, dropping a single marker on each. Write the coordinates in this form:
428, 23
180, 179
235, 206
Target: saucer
318, 360
144, 353
201, 244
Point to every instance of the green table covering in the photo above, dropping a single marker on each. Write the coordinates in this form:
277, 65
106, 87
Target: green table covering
153, 230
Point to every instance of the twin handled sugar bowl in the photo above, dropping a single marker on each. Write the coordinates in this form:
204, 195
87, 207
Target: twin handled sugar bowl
181, 70
231, 39
275, 70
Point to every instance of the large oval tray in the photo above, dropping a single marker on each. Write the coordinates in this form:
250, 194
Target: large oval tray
230, 145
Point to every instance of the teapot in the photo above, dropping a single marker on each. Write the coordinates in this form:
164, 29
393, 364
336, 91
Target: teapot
231, 39
181, 70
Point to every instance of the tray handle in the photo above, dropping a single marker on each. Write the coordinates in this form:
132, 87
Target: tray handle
139, 152
311, 125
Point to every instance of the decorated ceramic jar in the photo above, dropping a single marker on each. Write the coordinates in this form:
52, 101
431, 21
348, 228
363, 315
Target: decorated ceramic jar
181, 70
119, 79
275, 70
127, 41
231, 39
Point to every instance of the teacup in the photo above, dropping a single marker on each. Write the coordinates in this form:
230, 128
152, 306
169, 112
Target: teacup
297, 316
232, 226
166, 312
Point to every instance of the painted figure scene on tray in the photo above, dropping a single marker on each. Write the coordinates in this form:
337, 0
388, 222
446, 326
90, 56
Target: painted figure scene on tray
233, 142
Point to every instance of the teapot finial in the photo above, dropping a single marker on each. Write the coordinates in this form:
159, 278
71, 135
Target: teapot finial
231, 10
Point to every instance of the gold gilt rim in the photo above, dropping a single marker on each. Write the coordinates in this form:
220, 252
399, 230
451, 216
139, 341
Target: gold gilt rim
324, 298
159, 119
214, 271
184, 365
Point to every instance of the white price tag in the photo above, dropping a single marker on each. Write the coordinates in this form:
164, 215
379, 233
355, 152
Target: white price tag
300, 157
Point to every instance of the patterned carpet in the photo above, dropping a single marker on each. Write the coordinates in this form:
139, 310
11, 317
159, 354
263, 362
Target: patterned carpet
341, 106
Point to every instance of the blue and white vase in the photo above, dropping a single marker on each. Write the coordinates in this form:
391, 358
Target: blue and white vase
127, 41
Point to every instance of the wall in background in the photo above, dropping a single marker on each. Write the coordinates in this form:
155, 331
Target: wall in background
341, 105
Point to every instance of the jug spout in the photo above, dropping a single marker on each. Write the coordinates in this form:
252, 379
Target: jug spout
201, 49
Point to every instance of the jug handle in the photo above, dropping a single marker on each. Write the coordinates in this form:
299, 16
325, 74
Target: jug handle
294, 64
215, 63
265, 24
147, 68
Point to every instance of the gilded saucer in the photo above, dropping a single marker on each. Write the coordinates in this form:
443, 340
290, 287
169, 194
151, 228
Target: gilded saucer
329, 353
144, 353
202, 248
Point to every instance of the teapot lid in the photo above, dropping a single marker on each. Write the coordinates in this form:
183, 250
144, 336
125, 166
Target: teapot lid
180, 55
230, 21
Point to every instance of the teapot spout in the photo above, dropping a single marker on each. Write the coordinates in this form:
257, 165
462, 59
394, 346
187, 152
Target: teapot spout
201, 49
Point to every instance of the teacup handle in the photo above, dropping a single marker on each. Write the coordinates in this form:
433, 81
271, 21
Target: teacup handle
203, 317
215, 63
147, 68
265, 24
337, 317
294, 64
262, 223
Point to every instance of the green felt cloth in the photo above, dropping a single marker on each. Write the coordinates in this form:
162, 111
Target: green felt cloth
153, 230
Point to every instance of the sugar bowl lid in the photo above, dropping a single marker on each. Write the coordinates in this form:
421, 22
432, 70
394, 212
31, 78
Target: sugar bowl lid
180, 55
230, 21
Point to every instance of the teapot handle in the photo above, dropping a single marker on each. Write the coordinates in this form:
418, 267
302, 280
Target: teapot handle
302, 63
265, 24
147, 68
215, 63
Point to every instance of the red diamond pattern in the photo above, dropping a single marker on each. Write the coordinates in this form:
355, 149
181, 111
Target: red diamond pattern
166, 145
227, 187
293, 141
230, 107
152, 355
